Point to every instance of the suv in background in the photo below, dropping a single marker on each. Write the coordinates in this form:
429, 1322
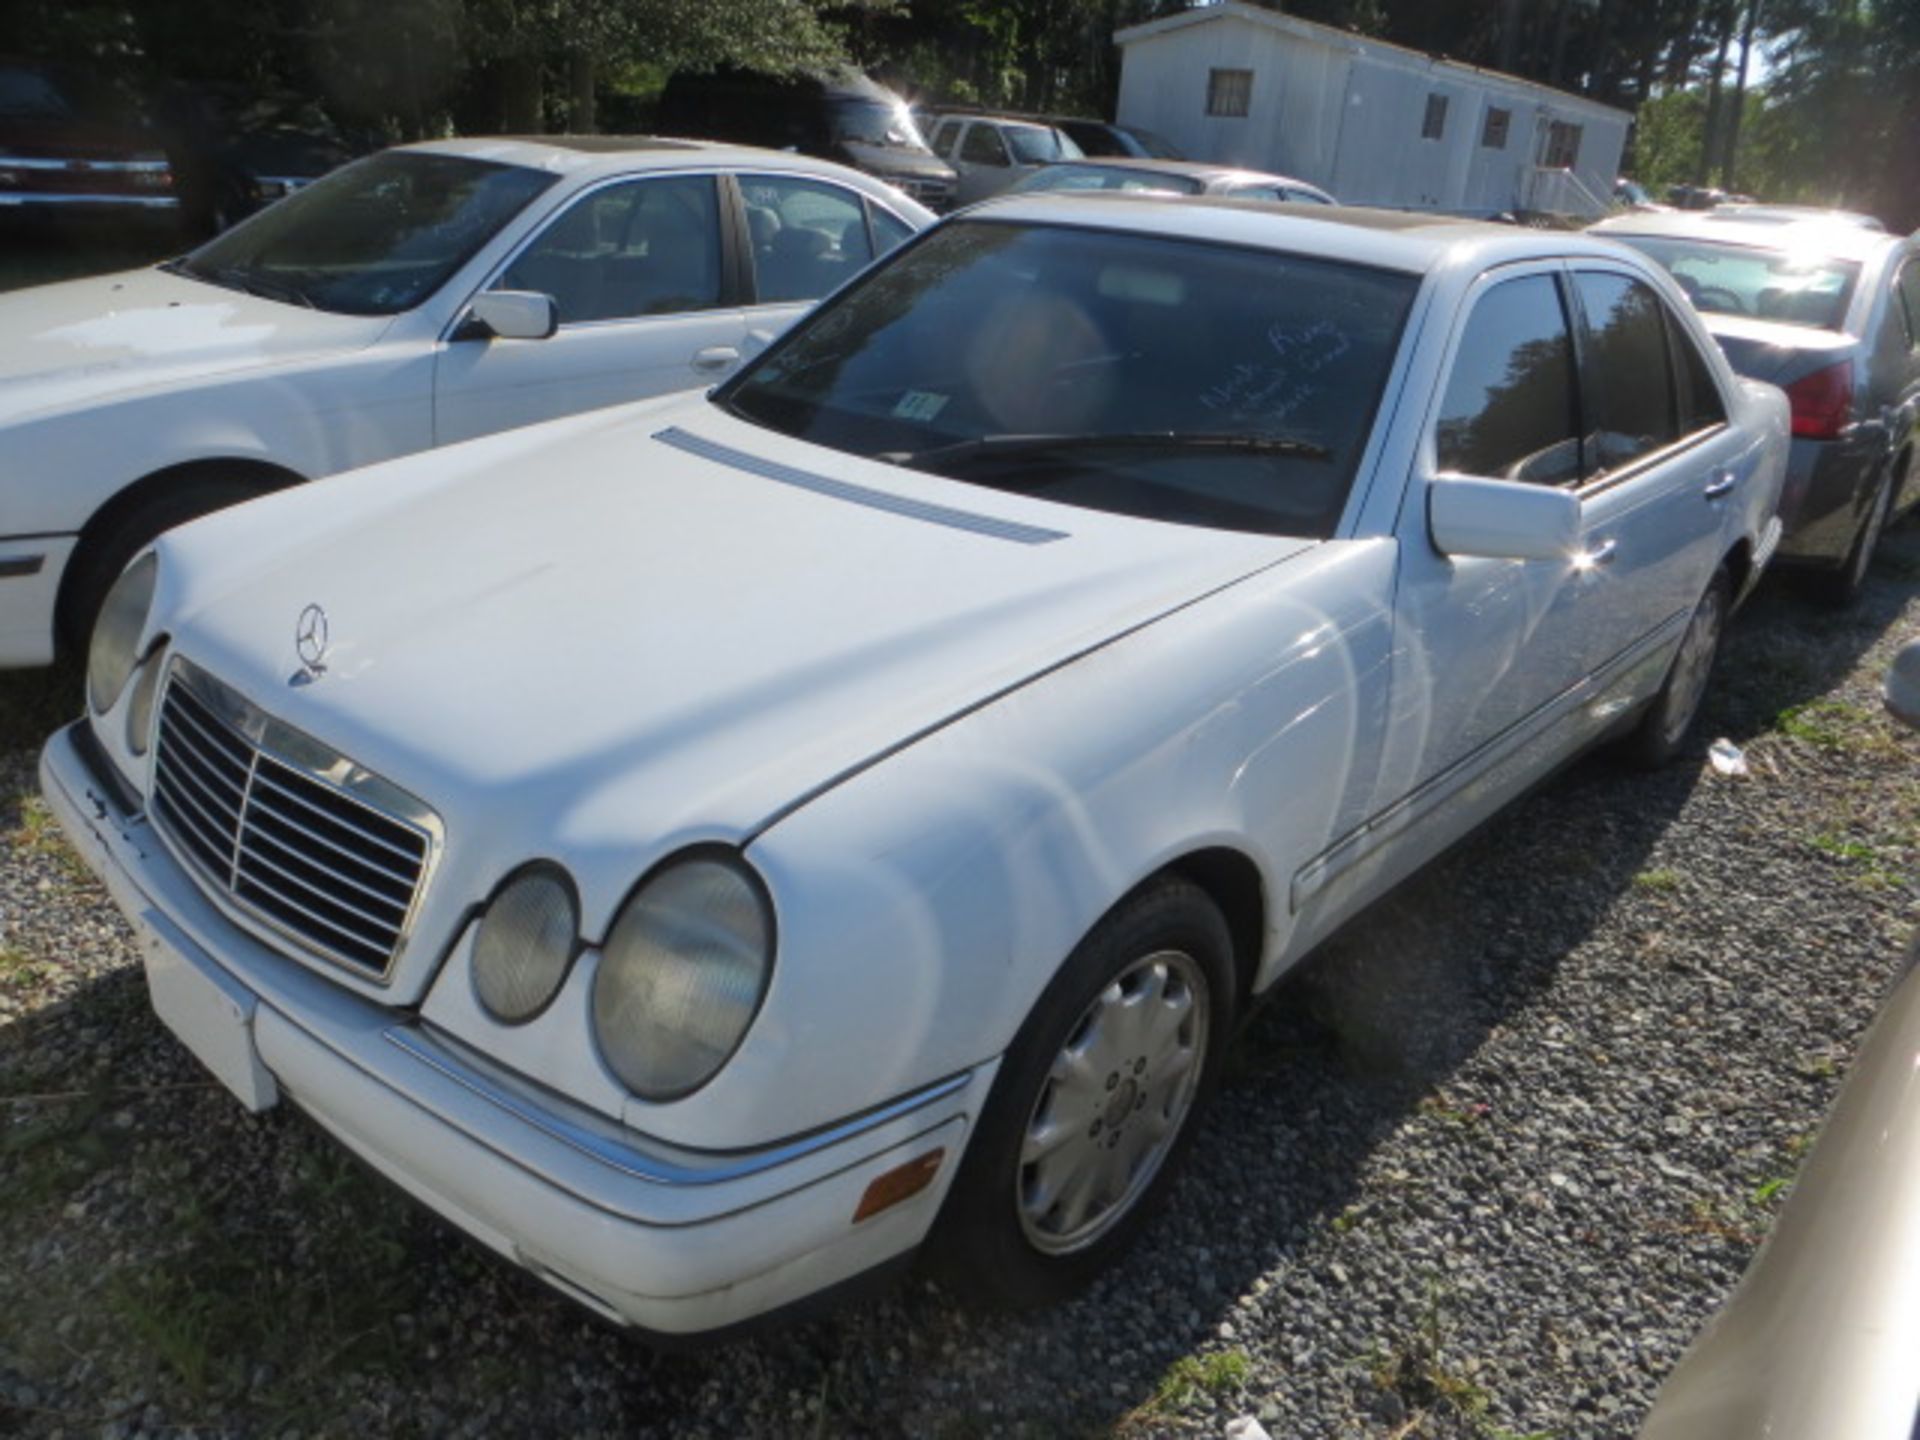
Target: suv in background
73, 150
843, 116
990, 153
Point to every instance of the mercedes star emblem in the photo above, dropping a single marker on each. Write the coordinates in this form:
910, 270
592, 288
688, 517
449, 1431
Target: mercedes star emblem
310, 640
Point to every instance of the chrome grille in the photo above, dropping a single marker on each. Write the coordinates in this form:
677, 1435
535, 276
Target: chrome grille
290, 846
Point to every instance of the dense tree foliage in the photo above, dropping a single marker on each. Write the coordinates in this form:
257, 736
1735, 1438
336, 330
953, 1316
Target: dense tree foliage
1802, 99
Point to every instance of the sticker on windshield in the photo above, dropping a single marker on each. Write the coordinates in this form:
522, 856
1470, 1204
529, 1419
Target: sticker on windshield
919, 405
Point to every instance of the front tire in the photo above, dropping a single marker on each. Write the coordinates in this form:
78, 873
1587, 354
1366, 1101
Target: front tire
1095, 1103
1663, 731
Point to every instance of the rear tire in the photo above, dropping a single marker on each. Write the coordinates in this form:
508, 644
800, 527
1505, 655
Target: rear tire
1841, 588
1095, 1103
1664, 730
103, 556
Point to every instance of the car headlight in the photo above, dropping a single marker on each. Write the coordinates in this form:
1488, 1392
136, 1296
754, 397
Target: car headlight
146, 685
526, 940
682, 975
116, 633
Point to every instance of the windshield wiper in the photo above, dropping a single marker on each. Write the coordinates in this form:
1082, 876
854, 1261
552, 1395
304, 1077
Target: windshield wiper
239, 277
1288, 446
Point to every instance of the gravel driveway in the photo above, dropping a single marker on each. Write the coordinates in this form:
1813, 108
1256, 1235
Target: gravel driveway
1480, 1172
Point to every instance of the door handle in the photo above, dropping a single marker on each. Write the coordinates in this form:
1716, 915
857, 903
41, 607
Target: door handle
1722, 484
715, 357
1600, 554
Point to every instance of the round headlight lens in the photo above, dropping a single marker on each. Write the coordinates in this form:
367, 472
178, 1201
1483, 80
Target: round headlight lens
146, 685
682, 975
525, 942
116, 633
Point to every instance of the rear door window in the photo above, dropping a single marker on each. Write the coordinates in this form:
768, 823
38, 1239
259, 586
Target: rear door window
808, 236
1509, 408
1631, 409
1700, 403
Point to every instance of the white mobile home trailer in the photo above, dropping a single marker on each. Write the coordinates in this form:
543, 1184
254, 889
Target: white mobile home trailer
1374, 123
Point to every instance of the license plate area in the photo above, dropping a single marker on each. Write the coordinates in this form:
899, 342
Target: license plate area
208, 1012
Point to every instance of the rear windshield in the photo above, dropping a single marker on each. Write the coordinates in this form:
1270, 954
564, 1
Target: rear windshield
1174, 380
1110, 177
1787, 286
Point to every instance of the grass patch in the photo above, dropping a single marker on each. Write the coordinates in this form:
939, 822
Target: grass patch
1663, 882
39, 835
228, 1304
1833, 725
1192, 1376
54, 1150
1432, 1383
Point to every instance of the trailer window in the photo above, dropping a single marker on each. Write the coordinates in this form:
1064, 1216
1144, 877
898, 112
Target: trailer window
1493, 134
1229, 92
1434, 125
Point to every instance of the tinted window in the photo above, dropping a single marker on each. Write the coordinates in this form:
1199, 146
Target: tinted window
943, 137
1792, 287
650, 247
372, 238
1910, 292
1701, 407
982, 146
808, 237
1173, 380
1041, 147
1509, 405
1628, 371
889, 229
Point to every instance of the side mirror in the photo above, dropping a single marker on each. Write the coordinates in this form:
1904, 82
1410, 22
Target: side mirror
510, 315
1902, 690
1502, 519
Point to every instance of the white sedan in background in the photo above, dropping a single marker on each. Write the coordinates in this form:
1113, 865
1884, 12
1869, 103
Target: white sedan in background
421, 296
709, 848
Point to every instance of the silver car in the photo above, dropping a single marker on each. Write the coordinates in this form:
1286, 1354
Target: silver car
1829, 311
991, 153
1178, 177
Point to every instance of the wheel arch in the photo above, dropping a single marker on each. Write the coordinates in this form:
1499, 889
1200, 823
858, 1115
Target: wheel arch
262, 476
1234, 883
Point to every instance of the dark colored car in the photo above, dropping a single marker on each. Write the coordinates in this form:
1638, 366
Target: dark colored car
842, 116
1102, 138
232, 157
1830, 312
70, 149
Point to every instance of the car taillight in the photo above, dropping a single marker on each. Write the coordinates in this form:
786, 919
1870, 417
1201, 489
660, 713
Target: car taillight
1822, 402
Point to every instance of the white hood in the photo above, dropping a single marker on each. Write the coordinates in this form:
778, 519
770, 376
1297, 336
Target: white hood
583, 633
75, 342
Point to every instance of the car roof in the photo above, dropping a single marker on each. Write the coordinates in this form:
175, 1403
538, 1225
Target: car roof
1198, 169
1409, 240
589, 155
1816, 234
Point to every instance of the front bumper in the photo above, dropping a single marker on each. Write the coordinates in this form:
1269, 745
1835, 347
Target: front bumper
674, 1241
30, 571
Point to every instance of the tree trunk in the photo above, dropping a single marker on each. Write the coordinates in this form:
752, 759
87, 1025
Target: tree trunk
1703, 167
1731, 154
1509, 34
580, 76
518, 93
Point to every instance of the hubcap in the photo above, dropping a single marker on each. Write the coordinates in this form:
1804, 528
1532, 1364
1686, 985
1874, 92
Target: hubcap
1112, 1103
1688, 683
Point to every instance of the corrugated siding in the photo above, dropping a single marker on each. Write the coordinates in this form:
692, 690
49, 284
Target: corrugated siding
1349, 118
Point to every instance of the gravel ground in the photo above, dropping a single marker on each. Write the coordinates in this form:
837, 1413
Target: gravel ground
1481, 1171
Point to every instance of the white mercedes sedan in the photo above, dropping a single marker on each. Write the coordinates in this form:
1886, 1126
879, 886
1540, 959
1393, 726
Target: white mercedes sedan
421, 296
712, 849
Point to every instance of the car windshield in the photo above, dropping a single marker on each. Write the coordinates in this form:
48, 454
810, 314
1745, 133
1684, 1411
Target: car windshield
374, 238
30, 95
1156, 148
1040, 147
1792, 287
873, 122
1109, 177
1144, 375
